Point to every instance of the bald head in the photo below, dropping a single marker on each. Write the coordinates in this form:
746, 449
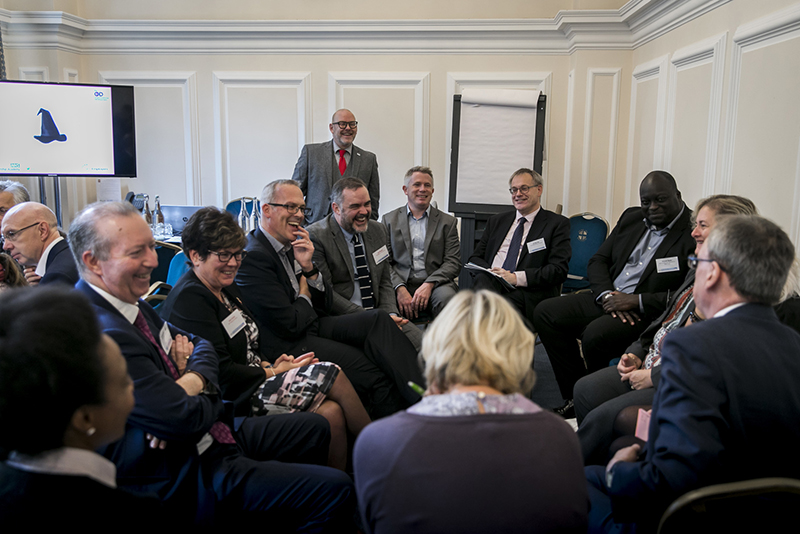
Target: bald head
29, 228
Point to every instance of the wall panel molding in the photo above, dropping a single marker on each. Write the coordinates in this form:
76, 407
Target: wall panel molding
186, 81
632, 25
222, 81
458, 81
568, 142
70, 75
592, 74
651, 70
36, 74
709, 51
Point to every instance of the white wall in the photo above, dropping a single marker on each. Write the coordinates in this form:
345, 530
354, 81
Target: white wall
703, 88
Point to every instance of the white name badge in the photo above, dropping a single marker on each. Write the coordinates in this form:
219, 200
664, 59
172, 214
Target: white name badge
536, 245
667, 265
380, 254
297, 268
166, 338
233, 323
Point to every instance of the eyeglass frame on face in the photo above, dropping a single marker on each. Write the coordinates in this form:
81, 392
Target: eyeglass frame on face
692, 261
292, 209
522, 189
352, 124
11, 235
225, 256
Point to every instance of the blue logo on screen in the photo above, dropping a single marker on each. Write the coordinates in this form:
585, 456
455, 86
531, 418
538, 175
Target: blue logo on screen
15, 166
98, 93
100, 96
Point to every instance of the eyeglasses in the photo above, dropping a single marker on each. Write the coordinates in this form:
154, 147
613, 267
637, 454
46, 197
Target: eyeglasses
225, 257
292, 209
343, 124
521, 189
693, 260
11, 235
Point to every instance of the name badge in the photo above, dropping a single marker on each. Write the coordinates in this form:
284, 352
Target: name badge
297, 268
667, 265
380, 254
166, 338
233, 323
536, 245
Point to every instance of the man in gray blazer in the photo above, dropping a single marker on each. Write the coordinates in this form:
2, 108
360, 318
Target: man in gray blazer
424, 247
351, 252
322, 164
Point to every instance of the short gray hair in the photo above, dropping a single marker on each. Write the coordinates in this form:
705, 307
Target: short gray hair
348, 182
271, 189
755, 253
16, 189
537, 178
83, 234
479, 338
418, 168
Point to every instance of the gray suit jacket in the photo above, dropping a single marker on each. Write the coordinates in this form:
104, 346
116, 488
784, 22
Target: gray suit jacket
442, 247
315, 173
332, 258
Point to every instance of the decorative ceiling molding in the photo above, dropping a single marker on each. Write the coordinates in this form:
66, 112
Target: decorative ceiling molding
635, 23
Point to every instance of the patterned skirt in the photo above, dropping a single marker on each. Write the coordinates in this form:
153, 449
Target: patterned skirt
298, 390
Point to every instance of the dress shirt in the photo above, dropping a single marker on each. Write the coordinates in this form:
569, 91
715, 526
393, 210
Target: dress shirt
725, 311
41, 267
282, 249
500, 257
348, 155
348, 237
418, 228
68, 461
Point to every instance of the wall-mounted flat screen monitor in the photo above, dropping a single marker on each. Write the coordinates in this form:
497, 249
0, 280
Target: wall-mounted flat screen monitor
66, 129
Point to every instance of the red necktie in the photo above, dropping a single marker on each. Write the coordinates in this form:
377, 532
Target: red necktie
219, 430
342, 162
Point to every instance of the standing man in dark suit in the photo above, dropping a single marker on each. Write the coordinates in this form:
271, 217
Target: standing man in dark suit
631, 277
292, 299
424, 249
32, 238
177, 442
320, 165
352, 253
529, 248
728, 389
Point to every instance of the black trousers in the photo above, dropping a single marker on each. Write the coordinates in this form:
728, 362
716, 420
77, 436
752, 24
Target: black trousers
376, 356
523, 300
561, 321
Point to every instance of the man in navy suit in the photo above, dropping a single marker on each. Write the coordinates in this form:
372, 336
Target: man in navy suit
529, 248
728, 392
32, 238
320, 165
631, 277
177, 443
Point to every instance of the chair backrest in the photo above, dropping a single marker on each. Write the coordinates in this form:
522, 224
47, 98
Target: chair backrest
177, 267
165, 253
587, 233
758, 505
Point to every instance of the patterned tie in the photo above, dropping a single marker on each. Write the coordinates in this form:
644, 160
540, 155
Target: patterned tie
362, 274
219, 430
510, 263
342, 162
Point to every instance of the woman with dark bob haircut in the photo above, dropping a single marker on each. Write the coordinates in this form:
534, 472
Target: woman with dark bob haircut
207, 302
64, 392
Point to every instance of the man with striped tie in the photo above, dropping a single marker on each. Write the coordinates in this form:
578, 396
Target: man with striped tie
351, 252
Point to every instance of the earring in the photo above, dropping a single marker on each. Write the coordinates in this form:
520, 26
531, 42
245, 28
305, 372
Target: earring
91, 431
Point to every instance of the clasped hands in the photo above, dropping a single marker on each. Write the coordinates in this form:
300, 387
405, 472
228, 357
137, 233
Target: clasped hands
621, 305
411, 306
629, 368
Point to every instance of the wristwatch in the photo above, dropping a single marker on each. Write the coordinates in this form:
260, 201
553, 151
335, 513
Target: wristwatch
312, 272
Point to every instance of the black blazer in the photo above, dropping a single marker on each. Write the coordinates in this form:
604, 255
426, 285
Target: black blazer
192, 307
60, 267
545, 269
267, 291
613, 254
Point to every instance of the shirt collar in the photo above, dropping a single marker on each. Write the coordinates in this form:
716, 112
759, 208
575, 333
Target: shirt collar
347, 235
426, 214
41, 267
68, 461
529, 217
277, 245
725, 311
128, 310
337, 148
667, 228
